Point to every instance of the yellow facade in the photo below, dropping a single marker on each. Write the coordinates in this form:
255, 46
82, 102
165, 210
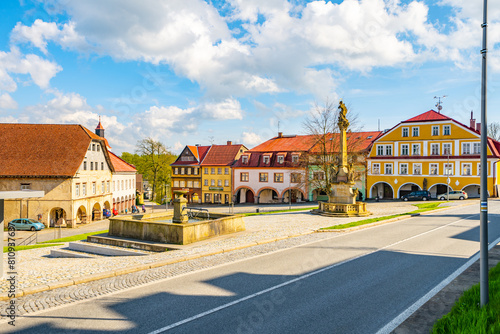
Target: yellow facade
216, 184
428, 155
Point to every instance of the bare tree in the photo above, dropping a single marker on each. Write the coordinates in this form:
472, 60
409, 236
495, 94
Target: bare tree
322, 126
494, 131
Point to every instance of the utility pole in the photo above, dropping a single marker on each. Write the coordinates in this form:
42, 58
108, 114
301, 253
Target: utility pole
483, 230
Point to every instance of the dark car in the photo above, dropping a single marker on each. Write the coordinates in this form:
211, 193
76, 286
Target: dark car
420, 195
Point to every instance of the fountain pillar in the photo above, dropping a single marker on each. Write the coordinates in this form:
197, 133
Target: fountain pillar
179, 204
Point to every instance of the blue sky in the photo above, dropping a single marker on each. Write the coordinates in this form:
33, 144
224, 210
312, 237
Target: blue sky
192, 71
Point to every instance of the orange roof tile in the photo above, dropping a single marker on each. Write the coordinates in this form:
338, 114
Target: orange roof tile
356, 141
430, 115
120, 165
286, 144
222, 155
52, 150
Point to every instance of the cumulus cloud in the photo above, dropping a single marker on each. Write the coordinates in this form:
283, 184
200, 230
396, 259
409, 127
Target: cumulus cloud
7, 102
227, 109
251, 139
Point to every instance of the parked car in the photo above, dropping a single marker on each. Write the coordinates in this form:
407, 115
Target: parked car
115, 212
420, 195
106, 213
26, 224
454, 194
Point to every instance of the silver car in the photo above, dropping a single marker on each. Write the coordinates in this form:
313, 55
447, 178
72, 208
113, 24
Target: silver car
454, 194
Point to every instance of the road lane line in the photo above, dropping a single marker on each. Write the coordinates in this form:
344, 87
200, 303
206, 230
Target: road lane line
410, 310
224, 306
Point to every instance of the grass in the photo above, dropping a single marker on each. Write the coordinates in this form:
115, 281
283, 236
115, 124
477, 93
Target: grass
74, 237
422, 207
467, 316
20, 248
277, 211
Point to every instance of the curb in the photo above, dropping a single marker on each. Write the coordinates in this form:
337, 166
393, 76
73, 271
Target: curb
381, 222
133, 269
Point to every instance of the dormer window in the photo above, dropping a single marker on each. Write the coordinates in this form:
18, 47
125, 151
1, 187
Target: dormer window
266, 159
244, 159
281, 159
295, 158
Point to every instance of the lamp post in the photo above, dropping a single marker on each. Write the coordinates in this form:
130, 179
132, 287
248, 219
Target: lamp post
483, 230
448, 179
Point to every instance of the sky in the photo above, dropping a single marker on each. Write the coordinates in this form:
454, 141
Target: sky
188, 72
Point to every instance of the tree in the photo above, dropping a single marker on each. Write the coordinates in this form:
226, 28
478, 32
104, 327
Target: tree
322, 126
494, 131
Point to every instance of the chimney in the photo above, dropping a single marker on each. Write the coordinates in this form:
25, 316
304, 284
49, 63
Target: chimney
229, 142
472, 121
478, 127
280, 134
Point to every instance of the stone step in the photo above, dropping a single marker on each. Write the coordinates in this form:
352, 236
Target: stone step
103, 250
132, 243
69, 254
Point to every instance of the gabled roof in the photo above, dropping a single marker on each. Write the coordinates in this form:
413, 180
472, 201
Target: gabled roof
120, 165
199, 153
286, 144
222, 155
96, 137
430, 115
51, 150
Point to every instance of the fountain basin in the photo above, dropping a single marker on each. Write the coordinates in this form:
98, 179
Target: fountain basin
149, 227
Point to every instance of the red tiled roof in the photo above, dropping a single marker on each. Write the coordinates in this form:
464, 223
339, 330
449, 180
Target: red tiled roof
99, 126
286, 144
430, 115
94, 136
54, 150
256, 160
199, 153
120, 165
222, 155
356, 141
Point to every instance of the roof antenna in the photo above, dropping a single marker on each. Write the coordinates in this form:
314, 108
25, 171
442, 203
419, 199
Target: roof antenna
438, 104
379, 124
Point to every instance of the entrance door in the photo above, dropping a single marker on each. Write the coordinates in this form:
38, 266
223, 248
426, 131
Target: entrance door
249, 197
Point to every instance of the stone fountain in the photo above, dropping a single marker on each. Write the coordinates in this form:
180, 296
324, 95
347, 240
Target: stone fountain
342, 196
180, 202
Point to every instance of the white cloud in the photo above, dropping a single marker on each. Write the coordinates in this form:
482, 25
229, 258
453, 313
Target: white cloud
7, 102
227, 109
251, 139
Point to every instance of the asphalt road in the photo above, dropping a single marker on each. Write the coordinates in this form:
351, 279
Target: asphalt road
351, 283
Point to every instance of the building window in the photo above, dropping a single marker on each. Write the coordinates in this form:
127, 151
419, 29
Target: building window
435, 130
281, 159
212, 182
295, 158
208, 198
176, 184
25, 186
266, 159
477, 148
219, 171
388, 169
295, 177
404, 149
205, 182
182, 184
107, 186
446, 130
93, 188
278, 177
182, 170
90, 147
388, 150
417, 169
244, 177
85, 165
403, 169
176, 171
376, 169
123, 187
434, 169
91, 165
195, 171
318, 176
415, 131
434, 149
102, 165
114, 183
206, 171
219, 183
93, 147
405, 132
77, 189
190, 184
226, 183
415, 148
197, 184
98, 148
244, 159
263, 177
103, 187
448, 169
466, 169
380, 150
446, 148
479, 168
226, 171
466, 148
188, 171
84, 189
212, 170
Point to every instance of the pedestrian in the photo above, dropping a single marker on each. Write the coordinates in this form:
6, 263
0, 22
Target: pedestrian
143, 208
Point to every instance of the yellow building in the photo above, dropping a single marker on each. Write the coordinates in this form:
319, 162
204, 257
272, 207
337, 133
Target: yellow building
216, 174
429, 152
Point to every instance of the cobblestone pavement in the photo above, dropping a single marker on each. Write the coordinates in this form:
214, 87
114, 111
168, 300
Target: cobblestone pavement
35, 268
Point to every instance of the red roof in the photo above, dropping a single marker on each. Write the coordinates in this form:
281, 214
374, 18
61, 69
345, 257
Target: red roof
430, 115
99, 126
356, 141
199, 153
120, 165
286, 144
222, 155
52, 150
256, 160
